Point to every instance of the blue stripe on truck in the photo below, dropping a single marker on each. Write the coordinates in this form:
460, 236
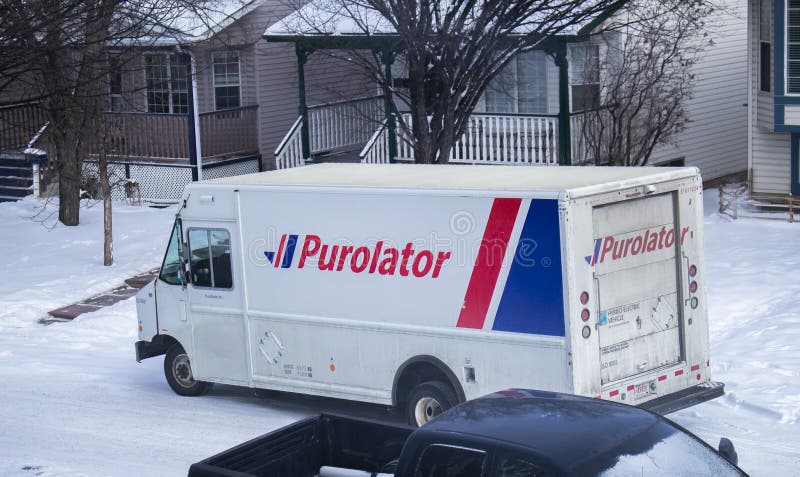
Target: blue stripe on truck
533, 301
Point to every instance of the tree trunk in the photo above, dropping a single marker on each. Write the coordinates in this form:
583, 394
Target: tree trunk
105, 190
69, 182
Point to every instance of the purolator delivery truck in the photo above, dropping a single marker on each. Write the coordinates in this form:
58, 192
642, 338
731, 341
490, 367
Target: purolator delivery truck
422, 286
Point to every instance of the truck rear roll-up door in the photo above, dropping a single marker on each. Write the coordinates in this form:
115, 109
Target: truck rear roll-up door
636, 277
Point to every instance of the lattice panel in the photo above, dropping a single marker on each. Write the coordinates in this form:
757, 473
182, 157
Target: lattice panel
163, 182
230, 170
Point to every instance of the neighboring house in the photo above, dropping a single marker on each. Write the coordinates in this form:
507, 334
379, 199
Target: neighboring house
715, 139
774, 88
243, 89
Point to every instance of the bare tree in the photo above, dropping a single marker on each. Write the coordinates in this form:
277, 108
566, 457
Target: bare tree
452, 50
645, 80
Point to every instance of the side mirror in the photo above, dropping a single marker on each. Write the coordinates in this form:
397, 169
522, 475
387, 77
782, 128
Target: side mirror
728, 451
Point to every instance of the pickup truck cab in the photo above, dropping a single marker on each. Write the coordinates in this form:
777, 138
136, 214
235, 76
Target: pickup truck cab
513, 433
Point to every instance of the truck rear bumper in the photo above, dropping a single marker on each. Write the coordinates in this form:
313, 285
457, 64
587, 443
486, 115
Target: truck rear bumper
685, 398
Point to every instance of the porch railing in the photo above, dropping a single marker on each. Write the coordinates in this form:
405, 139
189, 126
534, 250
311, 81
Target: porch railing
596, 126
229, 132
489, 139
343, 123
376, 151
19, 124
145, 135
165, 136
290, 151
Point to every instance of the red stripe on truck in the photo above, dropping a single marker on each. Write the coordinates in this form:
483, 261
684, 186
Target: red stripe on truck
488, 263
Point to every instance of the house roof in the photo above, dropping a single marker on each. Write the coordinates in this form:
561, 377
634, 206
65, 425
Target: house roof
190, 25
341, 19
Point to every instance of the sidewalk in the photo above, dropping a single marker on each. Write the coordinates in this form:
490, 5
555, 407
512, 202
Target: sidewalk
105, 299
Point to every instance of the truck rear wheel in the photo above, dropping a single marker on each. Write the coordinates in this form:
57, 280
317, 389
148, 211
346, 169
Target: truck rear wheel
427, 400
178, 372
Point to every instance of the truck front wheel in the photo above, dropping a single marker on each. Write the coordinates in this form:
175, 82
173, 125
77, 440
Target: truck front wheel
427, 400
178, 371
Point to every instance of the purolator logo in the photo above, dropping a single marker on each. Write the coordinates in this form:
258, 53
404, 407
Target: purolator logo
618, 247
378, 258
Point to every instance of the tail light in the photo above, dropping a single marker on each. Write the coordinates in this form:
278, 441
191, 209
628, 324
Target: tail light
584, 298
693, 287
584, 314
692, 271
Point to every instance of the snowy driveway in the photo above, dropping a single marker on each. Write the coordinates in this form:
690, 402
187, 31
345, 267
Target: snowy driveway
74, 402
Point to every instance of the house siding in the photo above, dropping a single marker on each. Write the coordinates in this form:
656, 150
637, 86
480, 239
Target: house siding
716, 138
770, 155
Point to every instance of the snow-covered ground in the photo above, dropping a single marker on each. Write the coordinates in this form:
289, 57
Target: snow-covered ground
74, 402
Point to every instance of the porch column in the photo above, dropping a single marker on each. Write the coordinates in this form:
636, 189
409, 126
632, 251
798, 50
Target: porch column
302, 57
564, 133
192, 120
388, 110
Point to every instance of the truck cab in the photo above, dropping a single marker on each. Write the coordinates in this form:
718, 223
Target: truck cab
512, 433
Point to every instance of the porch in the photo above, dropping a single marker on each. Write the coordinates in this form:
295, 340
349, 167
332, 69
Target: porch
358, 130
147, 136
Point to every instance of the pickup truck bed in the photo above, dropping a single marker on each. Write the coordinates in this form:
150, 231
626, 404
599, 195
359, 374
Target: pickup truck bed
300, 449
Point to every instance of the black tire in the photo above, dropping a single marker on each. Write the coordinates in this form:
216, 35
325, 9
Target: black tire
178, 372
427, 400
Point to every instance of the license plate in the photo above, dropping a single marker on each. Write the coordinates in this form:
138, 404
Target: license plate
644, 389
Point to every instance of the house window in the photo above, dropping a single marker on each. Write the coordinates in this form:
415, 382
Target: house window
585, 77
167, 84
521, 87
114, 82
227, 81
765, 45
793, 46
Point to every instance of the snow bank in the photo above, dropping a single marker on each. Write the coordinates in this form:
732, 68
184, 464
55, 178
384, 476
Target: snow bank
46, 265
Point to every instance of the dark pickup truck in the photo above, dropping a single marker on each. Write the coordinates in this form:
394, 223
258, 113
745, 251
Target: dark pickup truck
514, 433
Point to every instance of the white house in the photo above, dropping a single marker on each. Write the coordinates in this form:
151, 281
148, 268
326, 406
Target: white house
774, 90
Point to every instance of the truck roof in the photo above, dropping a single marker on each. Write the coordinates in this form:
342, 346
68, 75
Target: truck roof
467, 177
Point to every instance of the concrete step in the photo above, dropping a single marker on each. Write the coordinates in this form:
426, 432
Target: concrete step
5, 198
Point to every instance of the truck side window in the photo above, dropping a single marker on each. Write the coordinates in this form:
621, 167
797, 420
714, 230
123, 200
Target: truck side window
210, 258
447, 461
171, 266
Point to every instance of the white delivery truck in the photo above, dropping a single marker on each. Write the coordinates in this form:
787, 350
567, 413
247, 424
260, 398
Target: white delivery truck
423, 286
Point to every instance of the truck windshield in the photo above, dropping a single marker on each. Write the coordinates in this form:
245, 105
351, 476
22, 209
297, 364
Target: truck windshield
171, 267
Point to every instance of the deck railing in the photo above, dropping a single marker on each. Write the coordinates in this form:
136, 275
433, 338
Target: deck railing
146, 135
376, 151
229, 132
489, 139
290, 151
343, 123
19, 124
166, 136
595, 125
